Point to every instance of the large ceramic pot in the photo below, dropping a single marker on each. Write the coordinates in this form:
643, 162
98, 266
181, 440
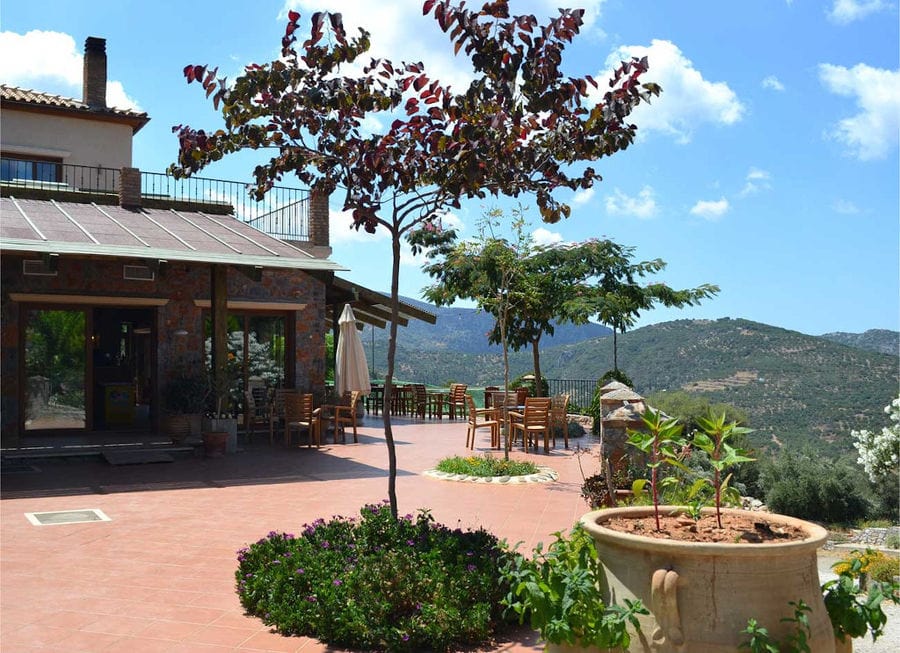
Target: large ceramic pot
700, 595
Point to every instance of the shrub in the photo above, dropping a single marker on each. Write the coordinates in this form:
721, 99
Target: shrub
559, 591
377, 583
486, 466
522, 382
810, 487
575, 429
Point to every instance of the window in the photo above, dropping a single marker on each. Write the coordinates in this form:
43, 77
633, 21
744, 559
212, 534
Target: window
33, 169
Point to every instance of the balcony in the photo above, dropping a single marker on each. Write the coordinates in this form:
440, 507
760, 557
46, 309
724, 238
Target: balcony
283, 213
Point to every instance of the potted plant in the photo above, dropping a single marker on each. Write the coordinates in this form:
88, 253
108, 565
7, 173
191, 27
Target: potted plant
185, 400
702, 572
559, 593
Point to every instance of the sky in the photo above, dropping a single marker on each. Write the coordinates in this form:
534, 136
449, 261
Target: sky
768, 166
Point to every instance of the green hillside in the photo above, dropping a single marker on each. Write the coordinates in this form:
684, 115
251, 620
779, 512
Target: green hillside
797, 389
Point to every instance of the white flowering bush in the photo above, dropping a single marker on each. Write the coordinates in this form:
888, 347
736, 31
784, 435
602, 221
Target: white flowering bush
879, 452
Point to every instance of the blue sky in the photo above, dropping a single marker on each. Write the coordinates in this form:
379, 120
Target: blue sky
769, 166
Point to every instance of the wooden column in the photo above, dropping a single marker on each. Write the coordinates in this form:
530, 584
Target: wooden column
219, 318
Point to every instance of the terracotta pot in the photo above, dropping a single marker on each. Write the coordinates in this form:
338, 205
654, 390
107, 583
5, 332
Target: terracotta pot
177, 426
214, 443
700, 595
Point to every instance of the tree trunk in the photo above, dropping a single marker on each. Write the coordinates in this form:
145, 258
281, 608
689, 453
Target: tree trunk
615, 351
536, 357
389, 376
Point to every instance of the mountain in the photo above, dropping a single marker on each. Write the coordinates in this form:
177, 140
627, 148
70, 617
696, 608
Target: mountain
881, 340
464, 330
797, 389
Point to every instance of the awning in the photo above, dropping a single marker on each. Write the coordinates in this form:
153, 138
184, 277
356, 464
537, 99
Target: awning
70, 228
369, 306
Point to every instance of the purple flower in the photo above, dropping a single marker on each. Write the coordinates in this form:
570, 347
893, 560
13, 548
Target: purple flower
337, 582
405, 637
311, 598
470, 567
410, 543
300, 571
326, 544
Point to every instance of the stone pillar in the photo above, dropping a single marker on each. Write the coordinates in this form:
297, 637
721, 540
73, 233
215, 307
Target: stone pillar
318, 219
130, 188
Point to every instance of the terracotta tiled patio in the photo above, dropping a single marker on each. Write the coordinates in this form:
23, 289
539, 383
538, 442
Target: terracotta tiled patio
159, 576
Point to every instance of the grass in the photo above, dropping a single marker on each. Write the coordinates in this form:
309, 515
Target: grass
486, 466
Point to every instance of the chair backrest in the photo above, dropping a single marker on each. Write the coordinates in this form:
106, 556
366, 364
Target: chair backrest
559, 404
421, 394
537, 411
354, 399
489, 395
298, 407
521, 395
278, 400
473, 415
458, 392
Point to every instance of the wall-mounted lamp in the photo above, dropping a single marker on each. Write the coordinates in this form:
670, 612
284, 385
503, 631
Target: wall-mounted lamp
180, 332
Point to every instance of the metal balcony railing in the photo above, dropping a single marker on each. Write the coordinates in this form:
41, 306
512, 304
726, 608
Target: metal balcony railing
282, 213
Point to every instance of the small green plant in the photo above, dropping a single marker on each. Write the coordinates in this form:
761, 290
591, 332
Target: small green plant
853, 611
559, 592
713, 440
486, 466
761, 641
377, 582
663, 444
892, 541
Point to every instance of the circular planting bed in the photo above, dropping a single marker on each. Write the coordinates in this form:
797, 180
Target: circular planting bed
544, 475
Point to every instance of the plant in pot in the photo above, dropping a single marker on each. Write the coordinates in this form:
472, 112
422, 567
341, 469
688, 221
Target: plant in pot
558, 592
220, 423
185, 397
701, 581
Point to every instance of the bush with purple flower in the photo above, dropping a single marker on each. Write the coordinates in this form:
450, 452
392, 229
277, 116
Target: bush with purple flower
374, 582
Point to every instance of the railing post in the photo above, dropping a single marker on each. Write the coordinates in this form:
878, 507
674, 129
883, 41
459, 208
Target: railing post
318, 220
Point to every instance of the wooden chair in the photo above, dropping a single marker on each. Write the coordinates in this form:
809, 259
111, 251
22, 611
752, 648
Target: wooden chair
256, 411
559, 406
488, 396
299, 414
345, 414
276, 410
533, 420
420, 404
456, 399
488, 420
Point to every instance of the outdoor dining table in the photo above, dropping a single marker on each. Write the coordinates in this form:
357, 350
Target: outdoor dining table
436, 400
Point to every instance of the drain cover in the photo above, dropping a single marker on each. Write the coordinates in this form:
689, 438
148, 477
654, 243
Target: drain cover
66, 517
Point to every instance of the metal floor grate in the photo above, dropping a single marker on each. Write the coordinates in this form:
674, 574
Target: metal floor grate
66, 517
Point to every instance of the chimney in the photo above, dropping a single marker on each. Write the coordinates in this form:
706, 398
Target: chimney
95, 72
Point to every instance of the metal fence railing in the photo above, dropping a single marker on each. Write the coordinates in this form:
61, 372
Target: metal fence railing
581, 391
282, 213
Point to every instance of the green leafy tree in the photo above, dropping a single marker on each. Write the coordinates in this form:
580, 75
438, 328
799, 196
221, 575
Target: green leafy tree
610, 287
516, 129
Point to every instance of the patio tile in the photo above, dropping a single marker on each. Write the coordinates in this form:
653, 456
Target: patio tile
159, 576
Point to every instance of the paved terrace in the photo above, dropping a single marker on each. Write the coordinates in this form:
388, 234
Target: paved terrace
159, 577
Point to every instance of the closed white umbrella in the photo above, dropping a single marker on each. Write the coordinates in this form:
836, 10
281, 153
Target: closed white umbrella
351, 370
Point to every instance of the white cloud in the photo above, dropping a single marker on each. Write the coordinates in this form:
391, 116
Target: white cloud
542, 236
846, 11
772, 83
845, 206
873, 132
641, 206
583, 196
687, 100
341, 230
711, 209
756, 180
51, 62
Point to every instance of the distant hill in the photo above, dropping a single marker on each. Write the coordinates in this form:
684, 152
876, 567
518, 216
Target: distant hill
880, 340
797, 389
465, 330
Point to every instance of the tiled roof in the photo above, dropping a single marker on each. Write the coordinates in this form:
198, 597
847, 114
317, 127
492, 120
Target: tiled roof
39, 99
70, 228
